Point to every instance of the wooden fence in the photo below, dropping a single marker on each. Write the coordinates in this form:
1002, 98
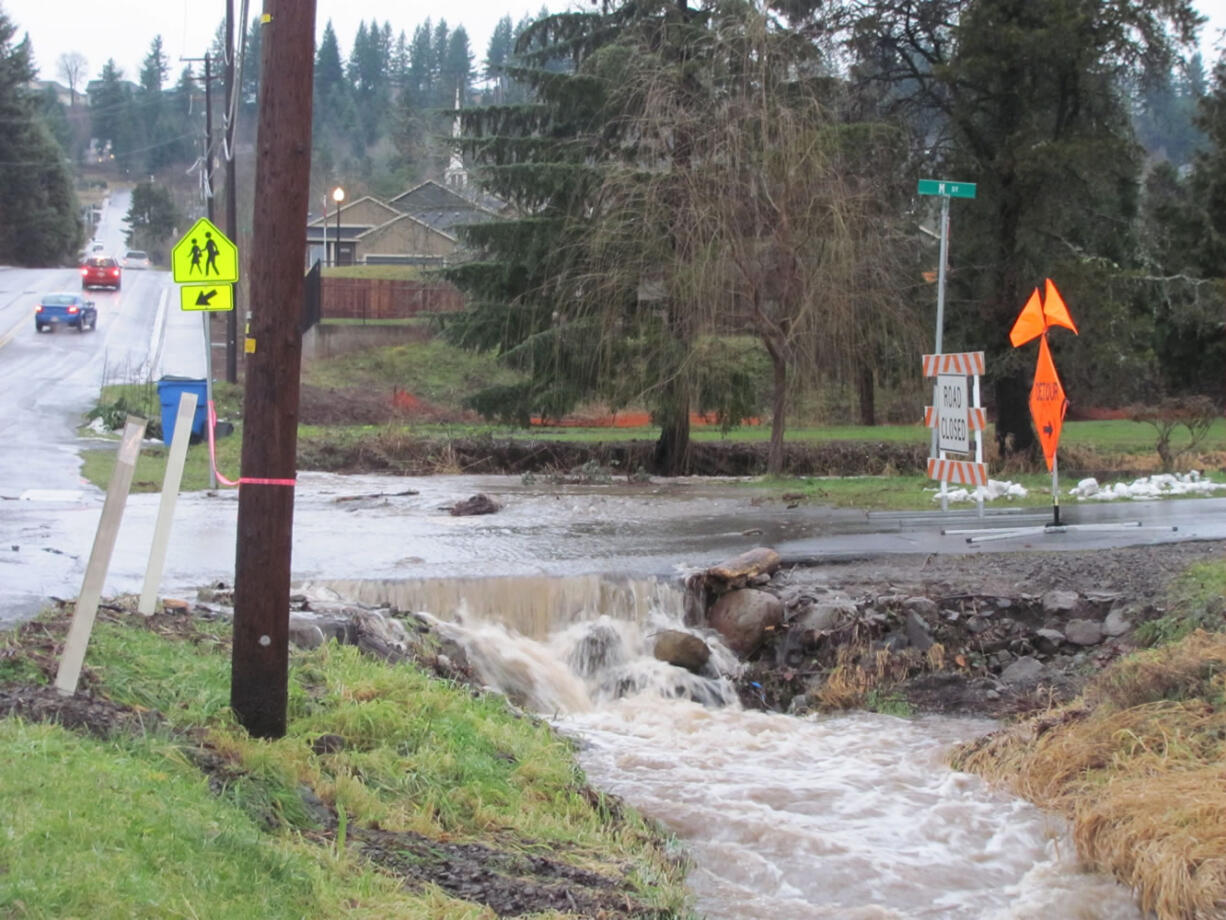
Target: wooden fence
374, 299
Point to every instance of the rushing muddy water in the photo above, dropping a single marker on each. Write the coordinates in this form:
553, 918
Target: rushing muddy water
852, 817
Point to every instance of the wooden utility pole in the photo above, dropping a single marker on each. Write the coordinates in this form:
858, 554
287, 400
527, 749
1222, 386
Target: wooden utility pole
232, 109
208, 138
260, 661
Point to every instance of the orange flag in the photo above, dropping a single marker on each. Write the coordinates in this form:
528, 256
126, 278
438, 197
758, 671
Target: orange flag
1054, 309
1029, 322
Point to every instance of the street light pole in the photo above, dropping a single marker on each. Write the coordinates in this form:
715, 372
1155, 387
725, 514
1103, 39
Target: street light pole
338, 195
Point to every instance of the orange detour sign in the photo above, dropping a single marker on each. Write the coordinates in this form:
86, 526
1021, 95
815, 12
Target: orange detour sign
1047, 403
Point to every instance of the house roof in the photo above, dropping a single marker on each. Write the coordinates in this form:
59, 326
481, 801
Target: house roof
443, 208
406, 217
351, 207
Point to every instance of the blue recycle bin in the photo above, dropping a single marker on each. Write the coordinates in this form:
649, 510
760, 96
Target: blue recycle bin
169, 391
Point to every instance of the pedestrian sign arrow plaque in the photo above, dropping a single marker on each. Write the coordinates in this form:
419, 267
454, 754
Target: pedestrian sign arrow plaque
946, 188
213, 297
204, 255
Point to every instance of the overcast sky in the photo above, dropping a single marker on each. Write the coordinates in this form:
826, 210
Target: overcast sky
123, 29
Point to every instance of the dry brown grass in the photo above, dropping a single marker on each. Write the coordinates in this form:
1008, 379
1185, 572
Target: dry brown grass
1138, 765
860, 670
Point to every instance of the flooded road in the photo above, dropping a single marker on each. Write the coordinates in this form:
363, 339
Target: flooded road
399, 527
854, 816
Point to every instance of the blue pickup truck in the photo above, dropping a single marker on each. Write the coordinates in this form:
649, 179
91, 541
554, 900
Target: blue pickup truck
65, 309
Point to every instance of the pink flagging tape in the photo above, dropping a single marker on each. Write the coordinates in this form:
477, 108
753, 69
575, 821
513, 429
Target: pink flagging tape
213, 449
961, 362
962, 472
976, 419
242, 480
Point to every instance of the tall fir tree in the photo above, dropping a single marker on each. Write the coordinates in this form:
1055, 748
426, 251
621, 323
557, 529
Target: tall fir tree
41, 225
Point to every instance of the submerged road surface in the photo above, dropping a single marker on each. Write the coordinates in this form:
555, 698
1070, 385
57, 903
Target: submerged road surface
399, 527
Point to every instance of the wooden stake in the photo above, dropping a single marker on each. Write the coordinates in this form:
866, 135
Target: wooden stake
166, 507
100, 557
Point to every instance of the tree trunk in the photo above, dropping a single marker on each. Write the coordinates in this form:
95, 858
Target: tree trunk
1014, 434
779, 399
672, 454
866, 390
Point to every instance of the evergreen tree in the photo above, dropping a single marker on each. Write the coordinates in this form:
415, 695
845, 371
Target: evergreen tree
457, 71
111, 115
370, 87
420, 77
440, 43
498, 56
152, 219
332, 105
41, 225
1028, 96
250, 85
534, 293
151, 107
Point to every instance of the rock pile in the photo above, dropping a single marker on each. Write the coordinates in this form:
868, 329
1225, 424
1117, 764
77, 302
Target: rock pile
981, 652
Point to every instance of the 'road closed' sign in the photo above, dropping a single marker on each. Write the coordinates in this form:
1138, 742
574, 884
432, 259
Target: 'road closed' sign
953, 427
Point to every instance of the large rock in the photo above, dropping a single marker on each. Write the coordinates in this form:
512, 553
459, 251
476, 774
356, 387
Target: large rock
736, 571
917, 629
478, 504
380, 636
743, 617
1025, 672
1048, 641
600, 649
1061, 602
682, 649
1083, 632
304, 632
1117, 623
924, 606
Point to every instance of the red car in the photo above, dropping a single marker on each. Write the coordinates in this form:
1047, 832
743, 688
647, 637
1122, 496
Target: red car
99, 271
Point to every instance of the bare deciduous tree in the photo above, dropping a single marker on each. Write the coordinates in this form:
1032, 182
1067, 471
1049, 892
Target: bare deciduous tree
71, 66
754, 209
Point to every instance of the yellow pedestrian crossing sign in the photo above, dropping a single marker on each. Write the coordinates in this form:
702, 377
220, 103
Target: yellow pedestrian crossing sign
204, 255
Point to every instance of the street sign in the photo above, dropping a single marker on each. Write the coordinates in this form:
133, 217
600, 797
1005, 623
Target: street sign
946, 188
212, 297
204, 254
1047, 403
953, 431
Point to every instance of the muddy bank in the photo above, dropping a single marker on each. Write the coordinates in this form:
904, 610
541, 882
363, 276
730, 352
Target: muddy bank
994, 634
401, 454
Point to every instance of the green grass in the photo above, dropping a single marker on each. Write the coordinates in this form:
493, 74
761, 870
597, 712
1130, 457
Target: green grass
118, 400
129, 830
432, 370
1198, 601
380, 272
131, 827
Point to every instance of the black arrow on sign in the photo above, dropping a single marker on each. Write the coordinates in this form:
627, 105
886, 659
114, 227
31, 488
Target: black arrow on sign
203, 298
1047, 429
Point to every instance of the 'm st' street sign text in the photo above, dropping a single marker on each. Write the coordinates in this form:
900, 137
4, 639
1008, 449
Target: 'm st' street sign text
946, 188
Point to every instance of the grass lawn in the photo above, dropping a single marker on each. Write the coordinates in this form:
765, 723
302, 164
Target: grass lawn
438, 376
188, 816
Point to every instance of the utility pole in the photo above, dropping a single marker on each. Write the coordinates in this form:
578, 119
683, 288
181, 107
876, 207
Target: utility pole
260, 661
231, 189
208, 139
205, 315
